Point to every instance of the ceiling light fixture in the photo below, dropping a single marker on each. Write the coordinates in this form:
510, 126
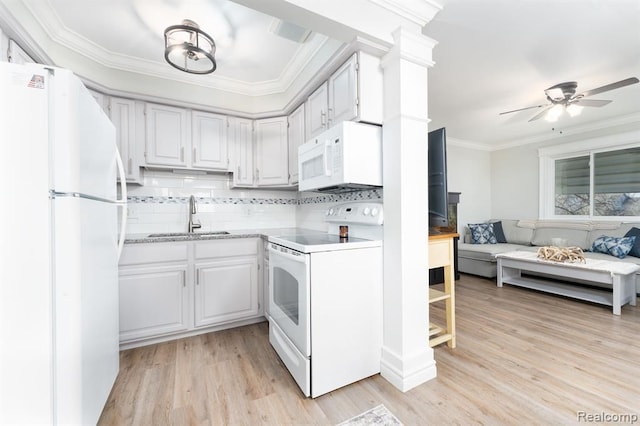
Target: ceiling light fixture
574, 110
554, 113
189, 49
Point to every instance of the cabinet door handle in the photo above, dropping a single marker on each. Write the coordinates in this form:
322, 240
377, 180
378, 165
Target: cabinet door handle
194, 154
184, 279
238, 171
197, 276
330, 115
257, 174
182, 153
129, 165
323, 118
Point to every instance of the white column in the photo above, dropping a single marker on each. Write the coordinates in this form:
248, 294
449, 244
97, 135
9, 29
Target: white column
407, 359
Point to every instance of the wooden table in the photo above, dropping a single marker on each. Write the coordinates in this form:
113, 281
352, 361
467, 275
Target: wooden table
441, 255
621, 276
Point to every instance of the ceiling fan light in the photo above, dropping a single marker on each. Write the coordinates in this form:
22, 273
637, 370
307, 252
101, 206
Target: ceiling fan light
554, 113
574, 110
189, 49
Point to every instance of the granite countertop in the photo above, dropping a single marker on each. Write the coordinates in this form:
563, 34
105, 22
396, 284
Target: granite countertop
211, 235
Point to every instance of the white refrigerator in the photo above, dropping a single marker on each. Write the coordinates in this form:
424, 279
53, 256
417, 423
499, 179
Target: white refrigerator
60, 244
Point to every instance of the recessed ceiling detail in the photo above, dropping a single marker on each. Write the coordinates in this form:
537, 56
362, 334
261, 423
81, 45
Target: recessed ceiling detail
252, 60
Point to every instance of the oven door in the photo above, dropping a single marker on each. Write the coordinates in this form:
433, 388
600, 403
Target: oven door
316, 164
289, 295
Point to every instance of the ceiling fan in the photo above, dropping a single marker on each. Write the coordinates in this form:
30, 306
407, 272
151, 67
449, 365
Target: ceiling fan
563, 97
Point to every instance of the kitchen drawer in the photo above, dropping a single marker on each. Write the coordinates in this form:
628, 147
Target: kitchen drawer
226, 248
138, 254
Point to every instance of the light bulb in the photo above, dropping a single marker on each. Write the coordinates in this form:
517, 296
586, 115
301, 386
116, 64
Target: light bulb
554, 113
574, 110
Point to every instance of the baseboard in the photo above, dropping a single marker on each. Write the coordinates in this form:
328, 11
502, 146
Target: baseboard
408, 372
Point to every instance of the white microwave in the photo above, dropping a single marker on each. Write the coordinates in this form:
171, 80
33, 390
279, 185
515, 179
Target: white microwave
347, 157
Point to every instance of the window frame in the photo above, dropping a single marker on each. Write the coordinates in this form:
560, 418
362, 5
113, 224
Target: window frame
589, 147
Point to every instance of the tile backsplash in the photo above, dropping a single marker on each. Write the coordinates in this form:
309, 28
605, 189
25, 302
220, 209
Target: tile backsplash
161, 204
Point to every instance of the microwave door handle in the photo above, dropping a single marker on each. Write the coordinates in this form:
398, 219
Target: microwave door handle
325, 157
301, 259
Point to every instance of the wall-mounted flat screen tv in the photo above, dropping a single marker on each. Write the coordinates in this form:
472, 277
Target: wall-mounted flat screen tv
437, 163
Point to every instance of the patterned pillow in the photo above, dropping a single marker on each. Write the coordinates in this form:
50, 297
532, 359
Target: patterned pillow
635, 250
615, 246
482, 233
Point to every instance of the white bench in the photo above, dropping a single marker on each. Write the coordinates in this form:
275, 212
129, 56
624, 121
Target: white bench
619, 275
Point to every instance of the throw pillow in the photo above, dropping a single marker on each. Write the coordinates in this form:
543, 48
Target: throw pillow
482, 233
615, 246
634, 232
499, 232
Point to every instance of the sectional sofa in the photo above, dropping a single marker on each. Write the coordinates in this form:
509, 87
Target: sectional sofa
480, 258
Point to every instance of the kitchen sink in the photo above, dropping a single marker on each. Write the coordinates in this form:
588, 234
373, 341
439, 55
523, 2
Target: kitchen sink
187, 234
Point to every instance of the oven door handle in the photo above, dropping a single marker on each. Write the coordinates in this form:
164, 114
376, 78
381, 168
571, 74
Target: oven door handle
301, 259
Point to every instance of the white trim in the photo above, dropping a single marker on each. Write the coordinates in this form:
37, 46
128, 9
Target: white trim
407, 373
584, 147
420, 12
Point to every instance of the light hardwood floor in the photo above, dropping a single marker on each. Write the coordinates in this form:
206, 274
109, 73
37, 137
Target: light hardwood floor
522, 357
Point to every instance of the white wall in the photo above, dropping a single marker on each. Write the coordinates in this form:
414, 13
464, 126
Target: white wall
514, 183
469, 172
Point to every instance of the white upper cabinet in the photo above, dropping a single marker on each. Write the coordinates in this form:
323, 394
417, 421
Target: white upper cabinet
180, 138
209, 141
343, 92
17, 55
167, 136
272, 152
100, 99
352, 92
296, 133
369, 89
122, 113
316, 108
242, 130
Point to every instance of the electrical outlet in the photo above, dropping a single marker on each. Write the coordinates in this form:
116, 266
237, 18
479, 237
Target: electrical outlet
131, 212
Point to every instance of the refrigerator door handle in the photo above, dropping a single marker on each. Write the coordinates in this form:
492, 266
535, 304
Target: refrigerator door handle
122, 202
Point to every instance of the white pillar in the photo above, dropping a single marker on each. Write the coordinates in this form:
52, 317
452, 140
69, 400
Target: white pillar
407, 358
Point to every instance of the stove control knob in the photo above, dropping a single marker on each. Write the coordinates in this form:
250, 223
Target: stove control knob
366, 211
374, 211
330, 212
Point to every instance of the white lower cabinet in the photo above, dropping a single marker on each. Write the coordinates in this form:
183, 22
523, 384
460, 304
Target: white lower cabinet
153, 301
226, 290
173, 289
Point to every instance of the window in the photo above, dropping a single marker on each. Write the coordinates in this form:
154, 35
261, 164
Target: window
616, 184
596, 182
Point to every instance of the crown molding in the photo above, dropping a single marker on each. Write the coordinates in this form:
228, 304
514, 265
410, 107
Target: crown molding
51, 25
420, 12
574, 130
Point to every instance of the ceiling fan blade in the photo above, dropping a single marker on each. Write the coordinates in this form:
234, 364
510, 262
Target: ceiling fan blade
522, 109
612, 86
590, 102
541, 113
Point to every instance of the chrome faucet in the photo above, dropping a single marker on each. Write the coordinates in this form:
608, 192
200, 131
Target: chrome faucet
192, 211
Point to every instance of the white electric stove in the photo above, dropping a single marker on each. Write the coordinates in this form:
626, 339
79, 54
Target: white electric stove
325, 299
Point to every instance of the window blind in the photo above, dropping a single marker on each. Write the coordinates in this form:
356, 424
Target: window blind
617, 172
572, 176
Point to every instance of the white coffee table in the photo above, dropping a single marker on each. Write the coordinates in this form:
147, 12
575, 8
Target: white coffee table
620, 275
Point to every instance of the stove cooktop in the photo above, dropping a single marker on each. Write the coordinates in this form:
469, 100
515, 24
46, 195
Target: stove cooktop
322, 242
